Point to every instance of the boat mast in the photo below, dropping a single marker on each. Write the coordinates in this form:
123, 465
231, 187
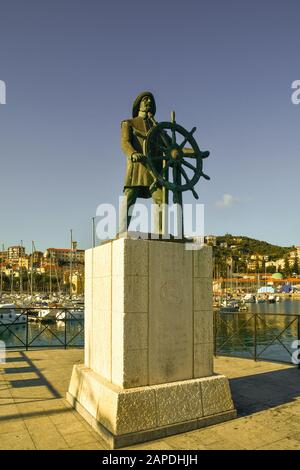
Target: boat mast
50, 280
71, 263
12, 281
1, 281
20, 269
31, 269
57, 278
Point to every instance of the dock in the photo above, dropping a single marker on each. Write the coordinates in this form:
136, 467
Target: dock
35, 415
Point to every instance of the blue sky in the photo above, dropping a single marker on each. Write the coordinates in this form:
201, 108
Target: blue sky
72, 69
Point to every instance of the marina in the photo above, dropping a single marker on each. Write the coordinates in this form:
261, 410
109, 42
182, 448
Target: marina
41, 321
266, 330
250, 329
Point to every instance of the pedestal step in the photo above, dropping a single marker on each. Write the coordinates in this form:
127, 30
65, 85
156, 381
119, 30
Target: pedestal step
127, 416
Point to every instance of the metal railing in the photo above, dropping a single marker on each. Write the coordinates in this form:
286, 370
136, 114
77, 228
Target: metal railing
27, 328
260, 336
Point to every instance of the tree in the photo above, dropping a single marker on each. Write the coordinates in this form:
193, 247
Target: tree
296, 266
257, 267
286, 268
271, 269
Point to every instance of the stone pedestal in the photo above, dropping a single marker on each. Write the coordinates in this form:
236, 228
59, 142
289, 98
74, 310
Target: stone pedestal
148, 368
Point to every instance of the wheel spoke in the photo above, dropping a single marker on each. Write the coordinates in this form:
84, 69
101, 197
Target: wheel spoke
162, 148
187, 138
183, 143
173, 135
156, 144
183, 172
188, 165
205, 154
175, 174
190, 155
166, 168
160, 157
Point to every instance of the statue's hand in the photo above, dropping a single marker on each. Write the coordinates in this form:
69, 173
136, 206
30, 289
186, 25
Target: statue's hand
138, 157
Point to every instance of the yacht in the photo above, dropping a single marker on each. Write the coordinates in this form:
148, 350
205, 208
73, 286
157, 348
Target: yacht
229, 306
9, 314
70, 314
249, 298
44, 312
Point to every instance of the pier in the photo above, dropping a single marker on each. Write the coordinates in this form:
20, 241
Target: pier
34, 413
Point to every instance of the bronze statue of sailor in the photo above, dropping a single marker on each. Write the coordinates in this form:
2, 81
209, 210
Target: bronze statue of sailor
152, 150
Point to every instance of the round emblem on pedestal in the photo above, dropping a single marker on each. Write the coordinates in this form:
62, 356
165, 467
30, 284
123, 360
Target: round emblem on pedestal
171, 291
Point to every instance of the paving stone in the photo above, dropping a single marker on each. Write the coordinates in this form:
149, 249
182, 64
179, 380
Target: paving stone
153, 445
48, 440
40, 424
93, 445
225, 444
65, 417
12, 425
70, 427
184, 441
78, 438
8, 410
283, 444
16, 441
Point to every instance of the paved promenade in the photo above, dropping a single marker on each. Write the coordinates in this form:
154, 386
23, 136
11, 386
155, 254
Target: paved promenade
35, 415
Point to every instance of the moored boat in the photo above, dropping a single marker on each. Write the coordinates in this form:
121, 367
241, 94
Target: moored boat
70, 314
9, 314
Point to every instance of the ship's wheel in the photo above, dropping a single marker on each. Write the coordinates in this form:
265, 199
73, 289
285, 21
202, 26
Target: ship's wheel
173, 155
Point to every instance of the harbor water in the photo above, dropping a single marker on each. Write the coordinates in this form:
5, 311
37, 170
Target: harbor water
68, 333
270, 334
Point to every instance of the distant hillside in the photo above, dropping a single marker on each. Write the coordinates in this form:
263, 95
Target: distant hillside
251, 246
